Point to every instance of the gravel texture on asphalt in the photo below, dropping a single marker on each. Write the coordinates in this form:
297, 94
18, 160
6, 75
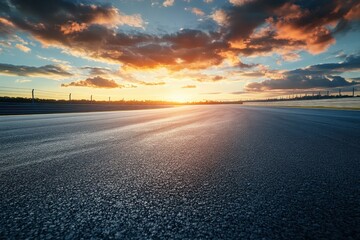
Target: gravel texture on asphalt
193, 172
17, 108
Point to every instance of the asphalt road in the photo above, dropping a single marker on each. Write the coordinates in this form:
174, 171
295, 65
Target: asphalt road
18, 108
193, 172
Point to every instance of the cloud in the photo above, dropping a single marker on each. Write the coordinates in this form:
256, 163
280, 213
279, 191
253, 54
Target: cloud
184, 49
221, 17
354, 12
291, 57
43, 71
54, 60
95, 82
23, 48
151, 83
168, 3
4, 7
81, 29
296, 23
259, 26
256, 74
351, 63
192, 49
98, 70
356, 79
312, 77
189, 86
239, 92
56, 22
6, 27
239, 2
256, 27
207, 78
73, 27
197, 11
299, 82
339, 54
23, 80
73, 16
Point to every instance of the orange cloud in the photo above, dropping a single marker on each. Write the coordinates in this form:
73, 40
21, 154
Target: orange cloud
168, 3
290, 57
354, 13
239, 2
23, 48
189, 86
220, 17
293, 24
5, 21
249, 28
73, 27
197, 11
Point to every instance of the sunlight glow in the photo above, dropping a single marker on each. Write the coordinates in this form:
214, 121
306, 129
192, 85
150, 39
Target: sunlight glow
179, 97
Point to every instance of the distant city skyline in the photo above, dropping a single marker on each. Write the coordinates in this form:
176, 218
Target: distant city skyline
179, 50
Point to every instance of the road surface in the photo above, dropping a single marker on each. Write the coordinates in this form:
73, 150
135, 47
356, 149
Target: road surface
18, 108
192, 172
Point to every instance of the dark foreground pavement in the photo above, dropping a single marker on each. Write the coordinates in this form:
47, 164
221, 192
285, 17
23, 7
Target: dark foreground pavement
197, 172
16, 108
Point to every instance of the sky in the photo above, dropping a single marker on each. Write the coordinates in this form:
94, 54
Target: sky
178, 50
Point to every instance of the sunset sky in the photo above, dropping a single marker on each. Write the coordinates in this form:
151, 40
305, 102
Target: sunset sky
180, 50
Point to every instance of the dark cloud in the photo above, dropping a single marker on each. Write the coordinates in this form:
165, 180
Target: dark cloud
239, 92
62, 13
95, 82
255, 27
188, 38
300, 82
262, 26
84, 30
268, 42
4, 6
245, 65
315, 76
43, 71
97, 70
351, 63
187, 48
242, 20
